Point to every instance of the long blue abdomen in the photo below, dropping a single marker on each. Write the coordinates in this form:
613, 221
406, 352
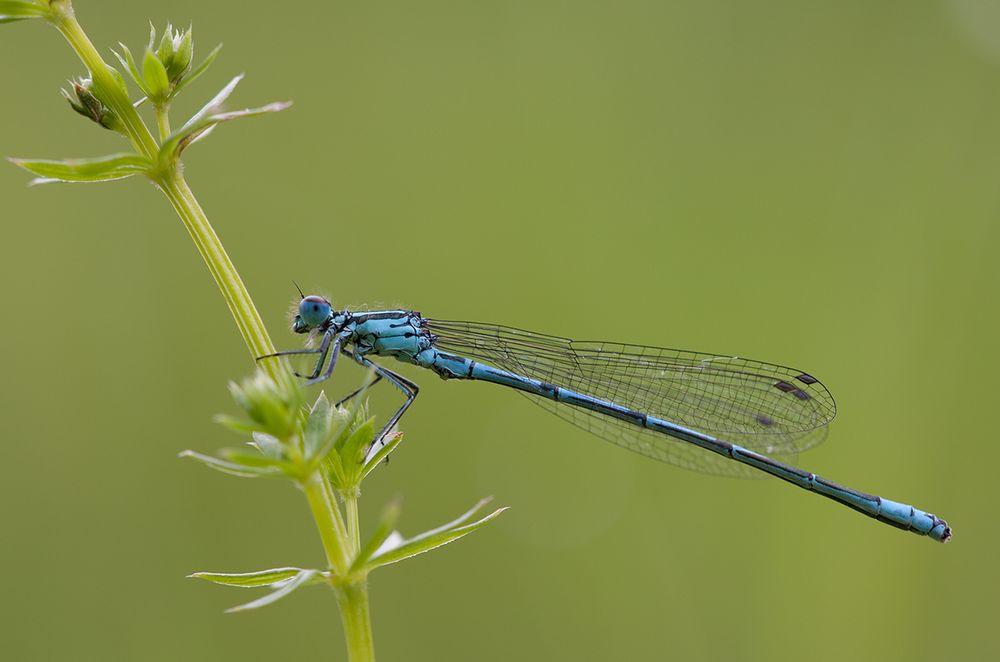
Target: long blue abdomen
897, 514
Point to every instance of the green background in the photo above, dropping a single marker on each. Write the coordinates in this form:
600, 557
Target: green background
812, 183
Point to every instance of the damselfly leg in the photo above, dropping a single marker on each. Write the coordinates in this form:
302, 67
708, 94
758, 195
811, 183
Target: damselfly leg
408, 388
322, 350
364, 387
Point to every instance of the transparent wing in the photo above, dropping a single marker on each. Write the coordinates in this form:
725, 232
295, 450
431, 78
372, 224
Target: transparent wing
772, 409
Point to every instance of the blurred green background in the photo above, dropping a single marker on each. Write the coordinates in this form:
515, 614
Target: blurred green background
812, 183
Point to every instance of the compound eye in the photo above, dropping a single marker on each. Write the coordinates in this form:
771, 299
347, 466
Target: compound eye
314, 310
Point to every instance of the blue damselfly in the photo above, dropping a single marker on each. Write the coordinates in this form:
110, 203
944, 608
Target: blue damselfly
711, 413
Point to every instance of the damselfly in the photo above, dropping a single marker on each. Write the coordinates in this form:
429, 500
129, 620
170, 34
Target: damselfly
684, 408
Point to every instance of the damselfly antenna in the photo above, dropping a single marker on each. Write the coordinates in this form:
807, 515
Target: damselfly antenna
301, 295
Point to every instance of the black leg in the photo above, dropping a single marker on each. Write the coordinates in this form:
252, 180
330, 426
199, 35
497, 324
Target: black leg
287, 352
408, 388
324, 348
321, 350
315, 377
355, 392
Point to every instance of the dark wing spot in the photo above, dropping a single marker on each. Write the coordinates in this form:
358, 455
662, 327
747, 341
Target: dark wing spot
801, 395
807, 379
784, 386
765, 420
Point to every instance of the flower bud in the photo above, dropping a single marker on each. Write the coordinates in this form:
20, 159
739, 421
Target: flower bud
273, 408
175, 52
83, 101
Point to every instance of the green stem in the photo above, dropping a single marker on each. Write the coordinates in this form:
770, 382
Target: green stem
226, 277
341, 546
329, 522
162, 121
106, 87
354, 612
353, 526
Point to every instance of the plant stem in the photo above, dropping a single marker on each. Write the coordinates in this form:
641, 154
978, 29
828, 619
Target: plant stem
226, 277
353, 526
329, 522
163, 121
352, 594
354, 612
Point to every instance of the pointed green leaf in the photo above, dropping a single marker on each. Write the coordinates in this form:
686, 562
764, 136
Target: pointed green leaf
357, 444
101, 169
199, 70
238, 394
318, 426
395, 540
271, 577
215, 103
302, 579
236, 424
155, 75
129, 64
388, 445
207, 125
202, 122
335, 471
119, 80
404, 549
258, 461
384, 529
230, 468
268, 445
340, 419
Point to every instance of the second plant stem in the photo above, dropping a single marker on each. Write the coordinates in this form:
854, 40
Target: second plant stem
354, 613
329, 522
340, 547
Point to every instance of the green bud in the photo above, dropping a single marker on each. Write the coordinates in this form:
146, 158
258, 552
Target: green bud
272, 409
175, 51
83, 101
166, 48
183, 56
155, 76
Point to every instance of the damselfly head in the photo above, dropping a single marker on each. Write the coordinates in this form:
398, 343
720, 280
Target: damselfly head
312, 312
